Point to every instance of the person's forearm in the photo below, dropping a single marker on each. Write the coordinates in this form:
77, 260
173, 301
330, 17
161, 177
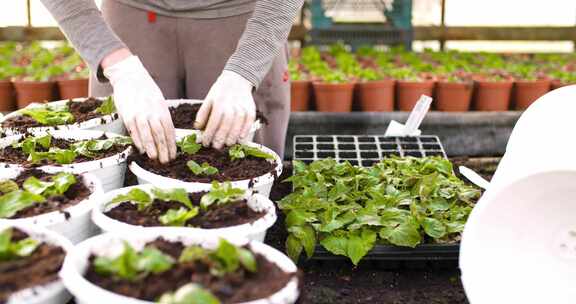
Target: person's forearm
83, 25
265, 34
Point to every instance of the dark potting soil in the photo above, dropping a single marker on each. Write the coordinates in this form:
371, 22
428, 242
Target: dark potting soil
16, 156
75, 194
40, 268
231, 214
184, 115
81, 110
241, 286
228, 170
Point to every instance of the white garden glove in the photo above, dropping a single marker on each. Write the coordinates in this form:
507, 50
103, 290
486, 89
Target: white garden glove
228, 111
141, 105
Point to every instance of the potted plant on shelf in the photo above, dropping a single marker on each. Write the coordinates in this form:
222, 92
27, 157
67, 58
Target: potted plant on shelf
156, 266
493, 90
55, 199
223, 210
528, 85
74, 82
299, 87
561, 78
375, 91
247, 166
31, 258
410, 85
454, 92
333, 90
7, 101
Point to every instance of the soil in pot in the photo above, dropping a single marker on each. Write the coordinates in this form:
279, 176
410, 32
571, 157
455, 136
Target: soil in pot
39, 268
75, 193
216, 216
235, 286
7, 101
376, 96
453, 96
493, 95
81, 111
299, 95
15, 155
408, 93
228, 169
526, 92
184, 115
28, 92
333, 97
73, 88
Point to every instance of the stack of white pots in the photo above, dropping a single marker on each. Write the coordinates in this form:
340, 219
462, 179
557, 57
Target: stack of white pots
105, 178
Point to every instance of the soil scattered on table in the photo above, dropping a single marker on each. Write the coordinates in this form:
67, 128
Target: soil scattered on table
227, 215
184, 115
16, 156
40, 268
75, 194
81, 110
228, 170
241, 286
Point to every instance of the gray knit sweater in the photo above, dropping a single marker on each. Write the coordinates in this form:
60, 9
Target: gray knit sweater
265, 33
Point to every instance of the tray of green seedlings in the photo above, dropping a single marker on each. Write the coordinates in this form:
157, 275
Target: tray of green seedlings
398, 209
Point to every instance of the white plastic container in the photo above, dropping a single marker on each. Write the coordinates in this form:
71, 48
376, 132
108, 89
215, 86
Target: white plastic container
107, 123
173, 103
252, 231
261, 184
109, 170
76, 224
53, 292
111, 244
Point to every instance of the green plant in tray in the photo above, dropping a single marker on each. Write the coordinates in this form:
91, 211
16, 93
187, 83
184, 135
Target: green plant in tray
399, 201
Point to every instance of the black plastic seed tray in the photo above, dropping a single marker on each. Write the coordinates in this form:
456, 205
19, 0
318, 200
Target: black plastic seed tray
364, 150
426, 252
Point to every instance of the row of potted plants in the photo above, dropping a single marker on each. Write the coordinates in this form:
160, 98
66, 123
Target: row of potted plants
394, 79
191, 232
34, 73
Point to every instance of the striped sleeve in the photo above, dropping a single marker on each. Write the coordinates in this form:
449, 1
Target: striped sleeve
265, 33
84, 26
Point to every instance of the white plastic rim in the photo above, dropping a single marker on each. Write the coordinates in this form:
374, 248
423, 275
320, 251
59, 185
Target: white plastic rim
75, 224
520, 247
107, 123
253, 231
172, 103
109, 170
53, 292
261, 184
109, 244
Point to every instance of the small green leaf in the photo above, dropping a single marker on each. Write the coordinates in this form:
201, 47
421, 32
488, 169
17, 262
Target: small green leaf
137, 196
221, 194
63, 181
15, 201
247, 259
189, 294
293, 247
58, 155
227, 257
239, 151
178, 195
12, 250
236, 152
359, 243
193, 253
177, 217
107, 107
404, 234
189, 145
307, 236
49, 117
153, 260
433, 227
337, 244
36, 186
204, 169
8, 185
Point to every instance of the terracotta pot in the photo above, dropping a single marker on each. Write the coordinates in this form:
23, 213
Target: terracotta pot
299, 95
453, 96
526, 92
73, 88
333, 97
376, 96
556, 84
7, 100
493, 96
34, 91
408, 93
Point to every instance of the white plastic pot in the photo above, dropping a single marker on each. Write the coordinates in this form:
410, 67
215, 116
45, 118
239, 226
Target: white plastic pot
53, 292
109, 170
107, 123
261, 184
110, 245
520, 247
252, 231
76, 224
173, 103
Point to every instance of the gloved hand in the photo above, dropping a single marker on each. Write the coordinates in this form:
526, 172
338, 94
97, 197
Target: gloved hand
142, 106
228, 111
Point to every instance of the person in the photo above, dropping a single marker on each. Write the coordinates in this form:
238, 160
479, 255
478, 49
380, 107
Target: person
231, 53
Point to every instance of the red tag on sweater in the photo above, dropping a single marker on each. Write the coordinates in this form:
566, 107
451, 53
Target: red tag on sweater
286, 76
151, 17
